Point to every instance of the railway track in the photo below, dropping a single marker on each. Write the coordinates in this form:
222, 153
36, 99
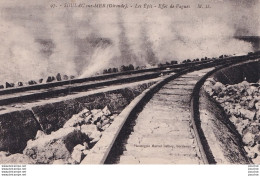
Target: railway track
62, 88
162, 129
17, 95
163, 132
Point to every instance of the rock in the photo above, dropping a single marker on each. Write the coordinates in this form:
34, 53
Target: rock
77, 156
232, 111
95, 111
227, 108
252, 154
48, 152
254, 84
97, 114
103, 118
79, 147
246, 122
249, 98
257, 139
86, 146
105, 127
16, 159
86, 152
72, 77
209, 90
247, 149
88, 119
208, 87
57, 145
241, 126
250, 90
84, 113
258, 114
58, 77
243, 102
243, 85
254, 151
233, 119
248, 138
92, 132
256, 148
3, 154
251, 104
99, 125
74, 121
212, 80
208, 84
237, 110
77, 153
39, 134
257, 105
106, 111
220, 100
256, 160
217, 88
221, 95
113, 117
254, 129
79, 119
105, 122
218, 85
247, 114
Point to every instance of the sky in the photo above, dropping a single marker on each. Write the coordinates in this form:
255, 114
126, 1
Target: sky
38, 40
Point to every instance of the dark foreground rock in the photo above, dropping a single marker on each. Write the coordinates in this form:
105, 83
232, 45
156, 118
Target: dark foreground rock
68, 145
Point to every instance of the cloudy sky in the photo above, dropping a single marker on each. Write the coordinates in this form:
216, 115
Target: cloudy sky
38, 40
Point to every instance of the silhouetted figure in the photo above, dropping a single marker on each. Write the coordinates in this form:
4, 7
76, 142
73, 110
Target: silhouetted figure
32, 82
115, 70
109, 70
65, 77
58, 77
131, 67
20, 83
122, 68
40, 80
174, 62
7, 85
50, 78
